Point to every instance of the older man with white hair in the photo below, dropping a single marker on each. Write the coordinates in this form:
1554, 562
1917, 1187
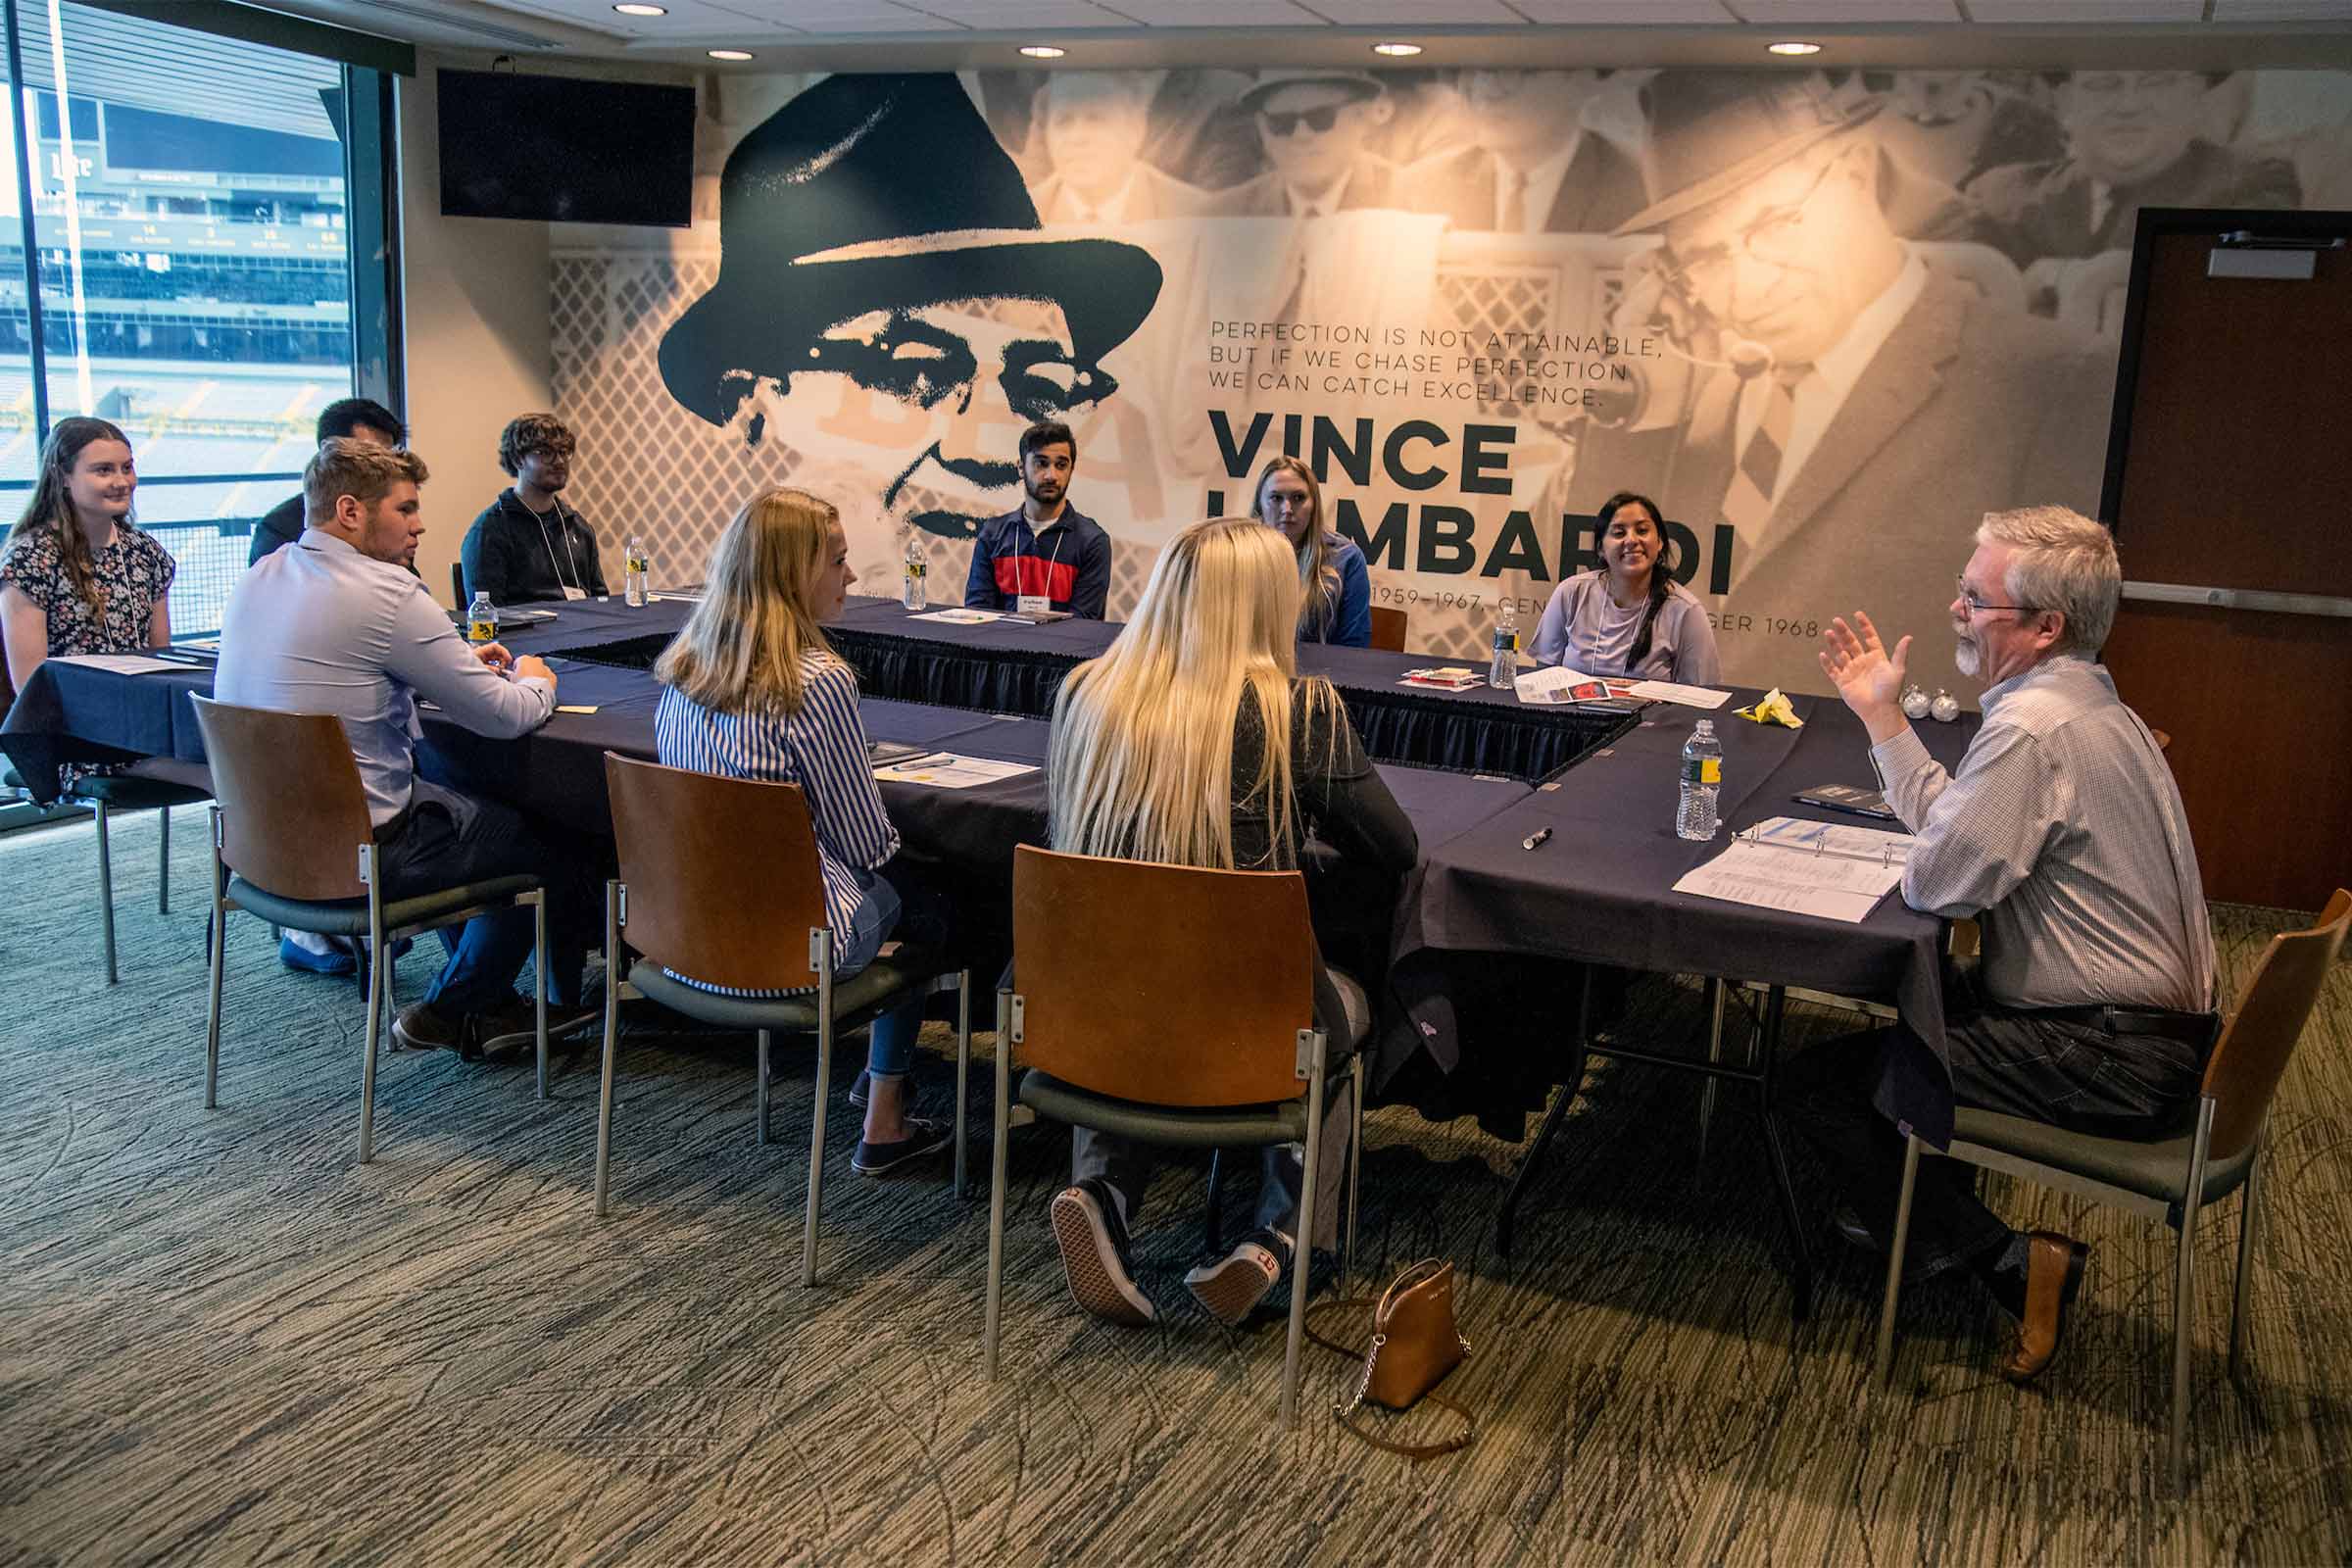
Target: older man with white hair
2063, 836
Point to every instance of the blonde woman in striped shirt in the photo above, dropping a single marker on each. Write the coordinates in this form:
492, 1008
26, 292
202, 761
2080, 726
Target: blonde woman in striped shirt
751, 689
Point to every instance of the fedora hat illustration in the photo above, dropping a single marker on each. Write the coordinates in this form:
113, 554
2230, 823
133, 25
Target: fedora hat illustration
879, 192
1715, 133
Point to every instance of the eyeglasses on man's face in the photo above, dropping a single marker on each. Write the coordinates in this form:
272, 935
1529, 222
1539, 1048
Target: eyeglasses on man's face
1764, 238
1972, 603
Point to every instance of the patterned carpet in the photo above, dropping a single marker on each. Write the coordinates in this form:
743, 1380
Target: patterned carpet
220, 1341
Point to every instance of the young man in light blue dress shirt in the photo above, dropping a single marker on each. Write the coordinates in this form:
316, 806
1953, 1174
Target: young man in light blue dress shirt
338, 624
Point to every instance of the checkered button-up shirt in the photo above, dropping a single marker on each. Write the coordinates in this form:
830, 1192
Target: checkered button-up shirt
2064, 836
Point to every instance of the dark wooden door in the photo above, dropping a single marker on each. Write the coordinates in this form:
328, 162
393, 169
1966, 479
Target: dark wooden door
2230, 487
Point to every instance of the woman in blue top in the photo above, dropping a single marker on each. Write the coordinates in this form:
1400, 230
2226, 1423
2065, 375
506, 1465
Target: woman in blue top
751, 689
1629, 617
1339, 586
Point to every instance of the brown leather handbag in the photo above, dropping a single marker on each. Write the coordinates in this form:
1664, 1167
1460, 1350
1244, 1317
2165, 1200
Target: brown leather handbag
1415, 1346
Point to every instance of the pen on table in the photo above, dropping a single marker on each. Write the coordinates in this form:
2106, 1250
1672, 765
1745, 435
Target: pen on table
1535, 840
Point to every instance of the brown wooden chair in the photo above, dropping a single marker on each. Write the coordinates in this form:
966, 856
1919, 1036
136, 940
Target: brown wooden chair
720, 878
2167, 1179
1388, 628
292, 843
1194, 1028
156, 784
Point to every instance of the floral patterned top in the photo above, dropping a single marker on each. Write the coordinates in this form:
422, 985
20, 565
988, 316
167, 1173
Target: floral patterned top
134, 572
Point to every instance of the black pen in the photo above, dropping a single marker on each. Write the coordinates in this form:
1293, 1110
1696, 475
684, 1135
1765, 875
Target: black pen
1537, 839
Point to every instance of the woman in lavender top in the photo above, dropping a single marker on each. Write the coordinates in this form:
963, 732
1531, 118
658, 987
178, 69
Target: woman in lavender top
1629, 617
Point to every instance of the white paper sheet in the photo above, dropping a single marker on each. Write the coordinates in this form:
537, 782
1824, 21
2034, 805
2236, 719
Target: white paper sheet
122, 664
1667, 691
1818, 868
961, 617
946, 770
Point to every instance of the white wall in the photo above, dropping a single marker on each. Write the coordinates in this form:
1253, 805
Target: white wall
475, 302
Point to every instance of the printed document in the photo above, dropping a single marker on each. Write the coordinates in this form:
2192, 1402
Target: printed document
961, 617
123, 663
944, 770
1819, 868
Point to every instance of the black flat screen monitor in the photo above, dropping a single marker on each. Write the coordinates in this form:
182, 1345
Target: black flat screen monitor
560, 149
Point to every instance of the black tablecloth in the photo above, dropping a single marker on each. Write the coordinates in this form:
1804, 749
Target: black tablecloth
1600, 890
1005, 667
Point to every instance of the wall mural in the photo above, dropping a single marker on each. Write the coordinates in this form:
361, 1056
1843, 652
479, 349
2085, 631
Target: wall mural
1825, 321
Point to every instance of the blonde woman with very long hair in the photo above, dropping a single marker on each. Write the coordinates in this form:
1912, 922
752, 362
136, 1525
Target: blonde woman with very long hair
751, 689
1194, 741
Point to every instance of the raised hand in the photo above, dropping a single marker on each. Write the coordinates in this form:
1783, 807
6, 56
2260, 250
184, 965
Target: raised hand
1867, 677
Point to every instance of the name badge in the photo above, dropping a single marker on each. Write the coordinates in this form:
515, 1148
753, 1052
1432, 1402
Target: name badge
575, 593
1033, 605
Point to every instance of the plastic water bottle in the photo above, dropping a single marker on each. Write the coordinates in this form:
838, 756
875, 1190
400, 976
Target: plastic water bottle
482, 620
1504, 672
634, 568
911, 580
1702, 781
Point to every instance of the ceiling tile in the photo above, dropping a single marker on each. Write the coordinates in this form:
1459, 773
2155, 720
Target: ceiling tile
1780, 13
1415, 13
686, 16
2086, 10
2282, 10
1624, 12
1215, 13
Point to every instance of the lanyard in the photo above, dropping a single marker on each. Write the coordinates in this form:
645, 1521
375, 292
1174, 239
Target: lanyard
1021, 578
549, 542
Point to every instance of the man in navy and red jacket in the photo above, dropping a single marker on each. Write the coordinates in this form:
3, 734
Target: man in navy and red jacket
1044, 550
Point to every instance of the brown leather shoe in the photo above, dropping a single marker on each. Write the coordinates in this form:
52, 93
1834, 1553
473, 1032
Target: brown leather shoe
2053, 1276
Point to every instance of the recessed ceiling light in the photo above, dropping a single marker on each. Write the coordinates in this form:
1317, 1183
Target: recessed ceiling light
1398, 51
1043, 51
631, 8
728, 54
1793, 48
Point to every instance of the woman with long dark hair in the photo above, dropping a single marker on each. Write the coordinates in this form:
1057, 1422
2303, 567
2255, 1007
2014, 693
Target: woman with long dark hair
78, 575
1630, 617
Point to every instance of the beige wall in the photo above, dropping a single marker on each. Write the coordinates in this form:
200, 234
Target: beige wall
475, 299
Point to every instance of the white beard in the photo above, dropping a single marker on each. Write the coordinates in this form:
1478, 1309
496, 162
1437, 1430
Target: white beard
1968, 656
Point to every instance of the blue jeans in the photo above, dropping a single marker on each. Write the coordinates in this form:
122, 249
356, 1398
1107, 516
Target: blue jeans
890, 1046
447, 839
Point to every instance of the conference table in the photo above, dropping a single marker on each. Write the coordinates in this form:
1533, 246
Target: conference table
1479, 775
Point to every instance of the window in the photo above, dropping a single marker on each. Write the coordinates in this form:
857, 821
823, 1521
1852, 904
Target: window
194, 261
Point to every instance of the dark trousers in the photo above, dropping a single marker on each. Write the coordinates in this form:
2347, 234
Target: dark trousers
446, 839
2046, 1066
1282, 1167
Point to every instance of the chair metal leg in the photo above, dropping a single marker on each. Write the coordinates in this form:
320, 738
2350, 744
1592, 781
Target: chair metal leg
1356, 1165
1707, 1086
964, 1070
1216, 1201
2249, 1205
376, 1021
1303, 1250
1885, 1365
816, 1131
163, 862
996, 1189
604, 1094
105, 887
538, 991
2185, 1297
212, 1007
763, 1093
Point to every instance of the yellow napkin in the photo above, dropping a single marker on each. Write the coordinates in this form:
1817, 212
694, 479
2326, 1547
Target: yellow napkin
1773, 708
